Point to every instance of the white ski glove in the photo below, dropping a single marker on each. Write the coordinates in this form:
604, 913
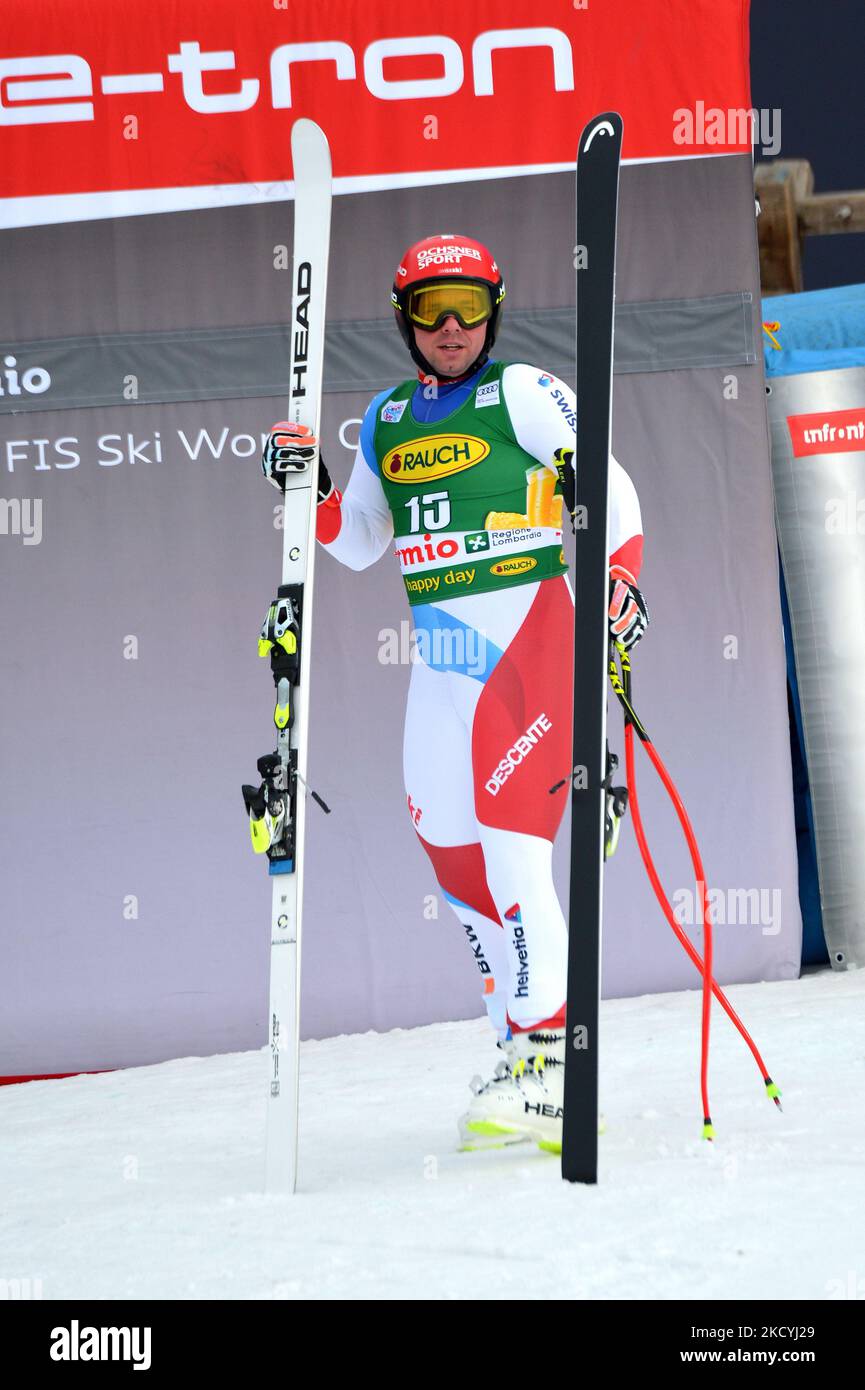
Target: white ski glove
290, 446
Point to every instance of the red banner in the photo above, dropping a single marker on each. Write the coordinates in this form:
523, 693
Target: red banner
97, 97
827, 432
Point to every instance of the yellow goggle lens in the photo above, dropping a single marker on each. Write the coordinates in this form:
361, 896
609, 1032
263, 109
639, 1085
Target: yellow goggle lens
429, 305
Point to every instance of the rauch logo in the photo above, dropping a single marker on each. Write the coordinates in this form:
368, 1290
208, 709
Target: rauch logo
435, 456
519, 565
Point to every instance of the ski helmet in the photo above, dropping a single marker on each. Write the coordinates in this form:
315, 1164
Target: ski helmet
431, 264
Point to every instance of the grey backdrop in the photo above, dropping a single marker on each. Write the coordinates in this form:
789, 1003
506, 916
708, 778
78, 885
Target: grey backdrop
121, 777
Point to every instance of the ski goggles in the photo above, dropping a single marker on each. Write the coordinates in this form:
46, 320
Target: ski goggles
469, 302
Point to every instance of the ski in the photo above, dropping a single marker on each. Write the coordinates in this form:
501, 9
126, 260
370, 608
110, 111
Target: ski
277, 807
597, 183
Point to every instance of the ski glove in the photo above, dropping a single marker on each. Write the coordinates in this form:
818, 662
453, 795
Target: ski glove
292, 446
629, 616
564, 461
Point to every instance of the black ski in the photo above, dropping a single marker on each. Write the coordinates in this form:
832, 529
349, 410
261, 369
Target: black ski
597, 196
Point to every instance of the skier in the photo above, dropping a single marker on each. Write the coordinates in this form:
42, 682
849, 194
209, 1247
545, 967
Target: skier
465, 469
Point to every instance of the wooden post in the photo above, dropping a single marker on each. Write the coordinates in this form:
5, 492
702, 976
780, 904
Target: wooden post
790, 210
779, 186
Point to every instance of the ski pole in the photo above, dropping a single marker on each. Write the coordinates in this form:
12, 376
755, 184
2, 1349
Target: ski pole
622, 687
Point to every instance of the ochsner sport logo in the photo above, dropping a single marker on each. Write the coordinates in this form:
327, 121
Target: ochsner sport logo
517, 753
446, 255
434, 456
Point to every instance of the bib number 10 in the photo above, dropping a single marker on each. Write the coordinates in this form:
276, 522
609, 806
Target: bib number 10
430, 512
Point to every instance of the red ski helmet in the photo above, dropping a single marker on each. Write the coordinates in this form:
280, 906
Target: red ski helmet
433, 262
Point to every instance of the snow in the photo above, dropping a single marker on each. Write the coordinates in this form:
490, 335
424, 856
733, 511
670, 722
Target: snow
148, 1183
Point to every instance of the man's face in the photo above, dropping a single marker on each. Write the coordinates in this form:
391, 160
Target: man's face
450, 348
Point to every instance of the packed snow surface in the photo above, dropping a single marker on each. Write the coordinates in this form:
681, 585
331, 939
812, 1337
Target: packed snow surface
148, 1183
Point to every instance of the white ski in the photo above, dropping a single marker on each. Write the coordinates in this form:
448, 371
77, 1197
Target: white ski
312, 205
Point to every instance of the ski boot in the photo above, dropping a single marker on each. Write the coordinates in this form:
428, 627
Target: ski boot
479, 1127
523, 1101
